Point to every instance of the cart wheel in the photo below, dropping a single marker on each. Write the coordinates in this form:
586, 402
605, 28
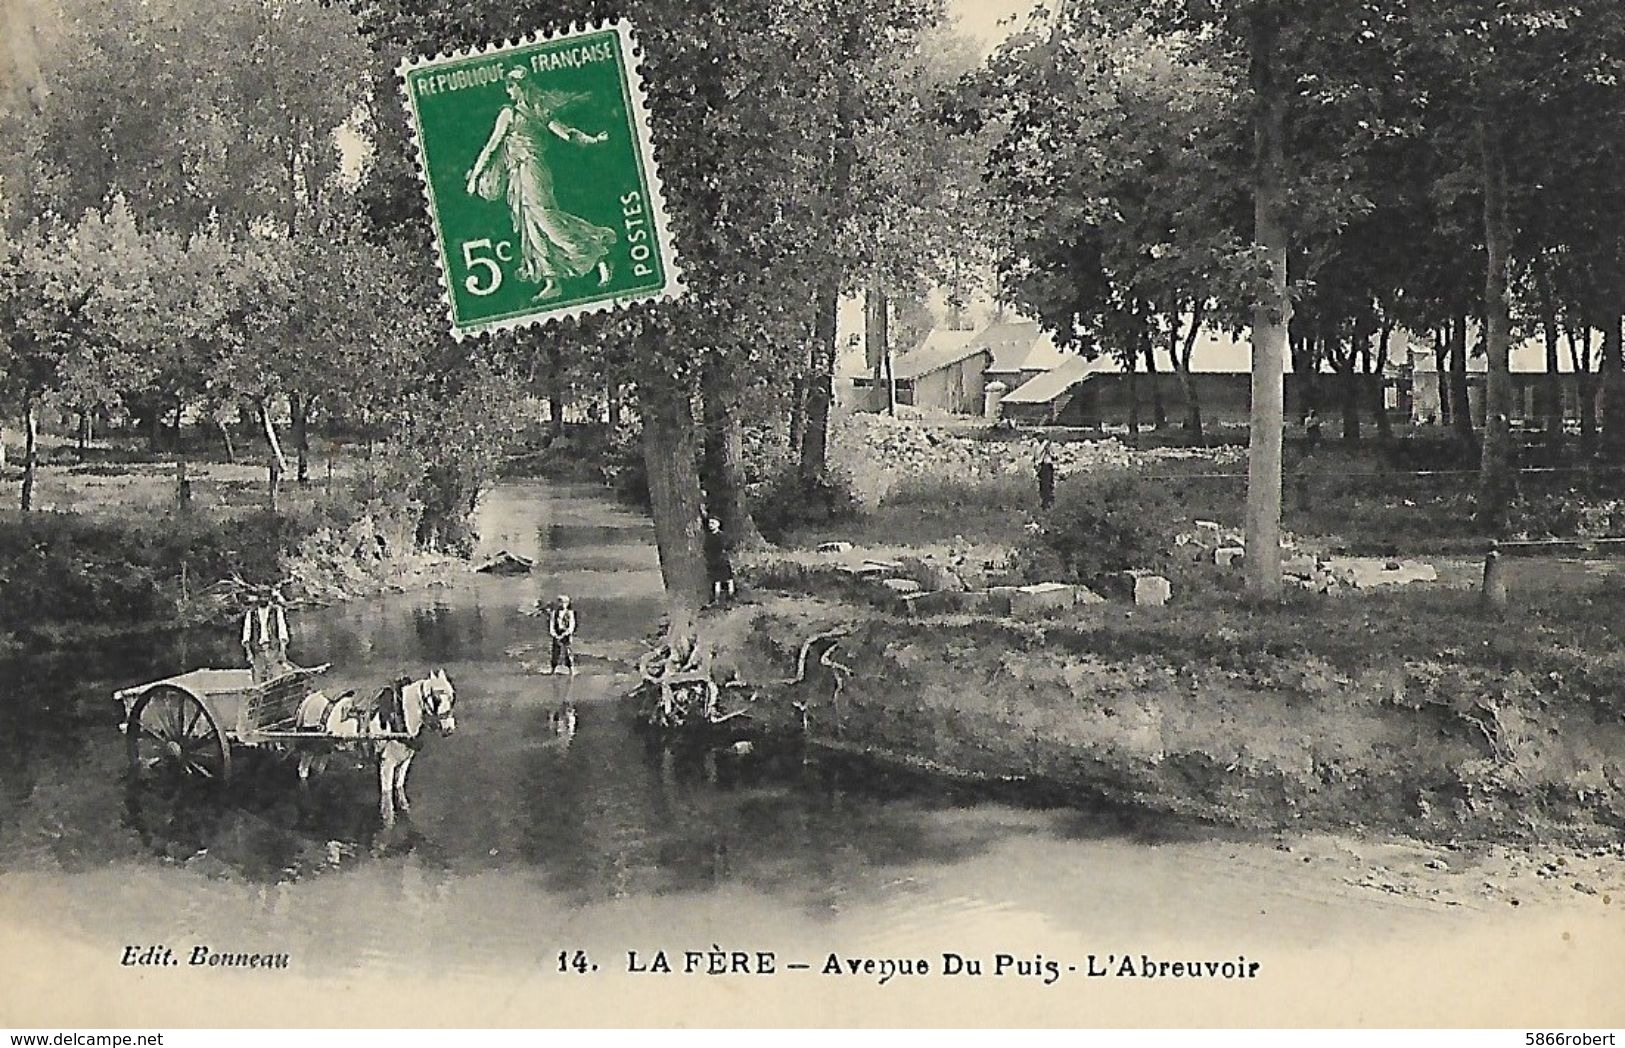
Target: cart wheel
173, 732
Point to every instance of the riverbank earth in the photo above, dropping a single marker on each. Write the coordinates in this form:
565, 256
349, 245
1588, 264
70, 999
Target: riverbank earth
525, 840
113, 548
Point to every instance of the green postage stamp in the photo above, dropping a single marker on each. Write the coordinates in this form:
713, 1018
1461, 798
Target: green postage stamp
540, 178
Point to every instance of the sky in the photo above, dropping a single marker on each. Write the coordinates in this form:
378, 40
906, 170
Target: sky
981, 18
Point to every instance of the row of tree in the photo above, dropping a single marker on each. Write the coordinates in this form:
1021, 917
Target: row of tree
1321, 173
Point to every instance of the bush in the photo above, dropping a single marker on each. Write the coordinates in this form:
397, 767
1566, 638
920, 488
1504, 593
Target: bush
788, 503
61, 569
1010, 494
1103, 522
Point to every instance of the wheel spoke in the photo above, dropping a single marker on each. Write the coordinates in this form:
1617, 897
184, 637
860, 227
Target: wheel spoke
197, 713
173, 715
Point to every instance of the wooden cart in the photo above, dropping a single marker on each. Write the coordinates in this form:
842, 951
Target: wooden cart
189, 724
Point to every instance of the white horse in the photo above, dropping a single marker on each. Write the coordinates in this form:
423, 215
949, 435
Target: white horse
400, 713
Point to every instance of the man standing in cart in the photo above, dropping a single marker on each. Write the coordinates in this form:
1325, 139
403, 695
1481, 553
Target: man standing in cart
265, 636
561, 627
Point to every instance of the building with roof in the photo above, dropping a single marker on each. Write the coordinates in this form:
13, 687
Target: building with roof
946, 372
1096, 391
1021, 351
1530, 383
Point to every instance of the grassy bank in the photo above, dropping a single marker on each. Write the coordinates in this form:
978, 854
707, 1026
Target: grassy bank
112, 550
1409, 710
1378, 711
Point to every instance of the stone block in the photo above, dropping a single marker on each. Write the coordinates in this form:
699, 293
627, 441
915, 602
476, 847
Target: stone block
1084, 595
901, 587
1151, 591
932, 575
1302, 566
1229, 556
835, 547
916, 605
1041, 598
1371, 572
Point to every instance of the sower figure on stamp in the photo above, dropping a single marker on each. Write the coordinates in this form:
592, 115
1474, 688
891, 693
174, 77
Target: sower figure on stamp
561, 627
554, 245
265, 637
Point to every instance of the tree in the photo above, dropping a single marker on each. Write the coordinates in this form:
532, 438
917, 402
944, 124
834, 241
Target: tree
75, 302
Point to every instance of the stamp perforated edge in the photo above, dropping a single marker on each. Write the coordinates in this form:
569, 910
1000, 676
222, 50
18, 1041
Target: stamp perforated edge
671, 289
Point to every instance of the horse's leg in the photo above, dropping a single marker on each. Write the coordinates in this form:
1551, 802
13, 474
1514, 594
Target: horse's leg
386, 793
400, 782
304, 770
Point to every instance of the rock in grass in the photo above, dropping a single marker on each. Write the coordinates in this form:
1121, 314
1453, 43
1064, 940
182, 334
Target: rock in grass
835, 547
505, 563
1082, 595
916, 605
933, 576
1151, 591
901, 587
1042, 597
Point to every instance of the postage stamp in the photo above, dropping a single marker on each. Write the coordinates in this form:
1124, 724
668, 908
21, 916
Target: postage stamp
540, 178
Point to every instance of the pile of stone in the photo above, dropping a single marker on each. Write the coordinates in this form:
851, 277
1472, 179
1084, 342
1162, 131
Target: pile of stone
1319, 572
918, 586
879, 452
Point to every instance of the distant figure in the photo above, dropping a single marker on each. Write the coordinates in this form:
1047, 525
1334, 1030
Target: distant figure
1046, 477
265, 638
561, 627
718, 561
1311, 428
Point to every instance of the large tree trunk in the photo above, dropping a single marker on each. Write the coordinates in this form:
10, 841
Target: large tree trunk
798, 415
819, 385
555, 390
612, 402
674, 500
1134, 394
1585, 388
722, 468
1498, 478
299, 407
1385, 429
1441, 370
1553, 405
276, 464
877, 346
82, 436
1348, 389
820, 380
1271, 313
1159, 410
1182, 368
1612, 383
30, 452
1461, 404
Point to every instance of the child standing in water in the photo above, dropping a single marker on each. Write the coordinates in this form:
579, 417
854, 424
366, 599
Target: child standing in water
561, 627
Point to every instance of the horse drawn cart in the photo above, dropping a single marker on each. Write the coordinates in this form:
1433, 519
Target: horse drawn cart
190, 723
